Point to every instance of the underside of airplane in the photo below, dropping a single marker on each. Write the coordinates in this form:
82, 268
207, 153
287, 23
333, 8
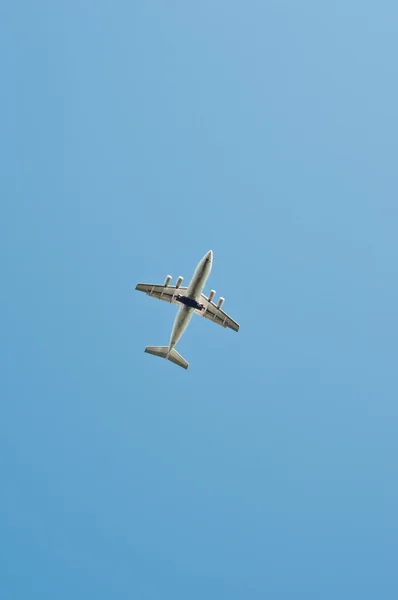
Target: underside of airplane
190, 300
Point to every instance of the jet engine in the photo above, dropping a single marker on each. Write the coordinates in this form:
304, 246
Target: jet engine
167, 280
211, 295
220, 302
179, 281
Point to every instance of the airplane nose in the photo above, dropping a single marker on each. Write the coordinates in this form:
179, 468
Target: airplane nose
209, 255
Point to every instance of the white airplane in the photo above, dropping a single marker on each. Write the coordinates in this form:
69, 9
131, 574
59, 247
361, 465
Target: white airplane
190, 300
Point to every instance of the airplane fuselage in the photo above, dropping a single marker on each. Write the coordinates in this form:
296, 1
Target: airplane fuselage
194, 291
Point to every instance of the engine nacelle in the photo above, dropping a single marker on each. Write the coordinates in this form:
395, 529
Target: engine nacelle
167, 280
220, 302
211, 295
179, 281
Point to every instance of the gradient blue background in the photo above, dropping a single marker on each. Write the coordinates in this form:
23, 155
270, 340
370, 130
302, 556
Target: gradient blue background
136, 136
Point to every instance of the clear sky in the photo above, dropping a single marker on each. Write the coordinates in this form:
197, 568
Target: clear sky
136, 136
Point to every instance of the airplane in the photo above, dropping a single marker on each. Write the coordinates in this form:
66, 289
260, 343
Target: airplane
190, 300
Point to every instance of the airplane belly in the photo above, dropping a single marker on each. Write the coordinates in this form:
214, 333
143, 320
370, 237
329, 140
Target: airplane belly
183, 317
199, 279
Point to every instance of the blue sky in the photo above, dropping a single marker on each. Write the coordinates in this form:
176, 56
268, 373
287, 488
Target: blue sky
136, 136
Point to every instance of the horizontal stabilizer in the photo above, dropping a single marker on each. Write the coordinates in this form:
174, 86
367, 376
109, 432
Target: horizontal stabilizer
163, 352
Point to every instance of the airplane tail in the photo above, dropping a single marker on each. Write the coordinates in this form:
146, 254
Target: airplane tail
172, 355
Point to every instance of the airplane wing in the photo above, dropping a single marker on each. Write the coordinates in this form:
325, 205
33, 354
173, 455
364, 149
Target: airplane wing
211, 312
161, 292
